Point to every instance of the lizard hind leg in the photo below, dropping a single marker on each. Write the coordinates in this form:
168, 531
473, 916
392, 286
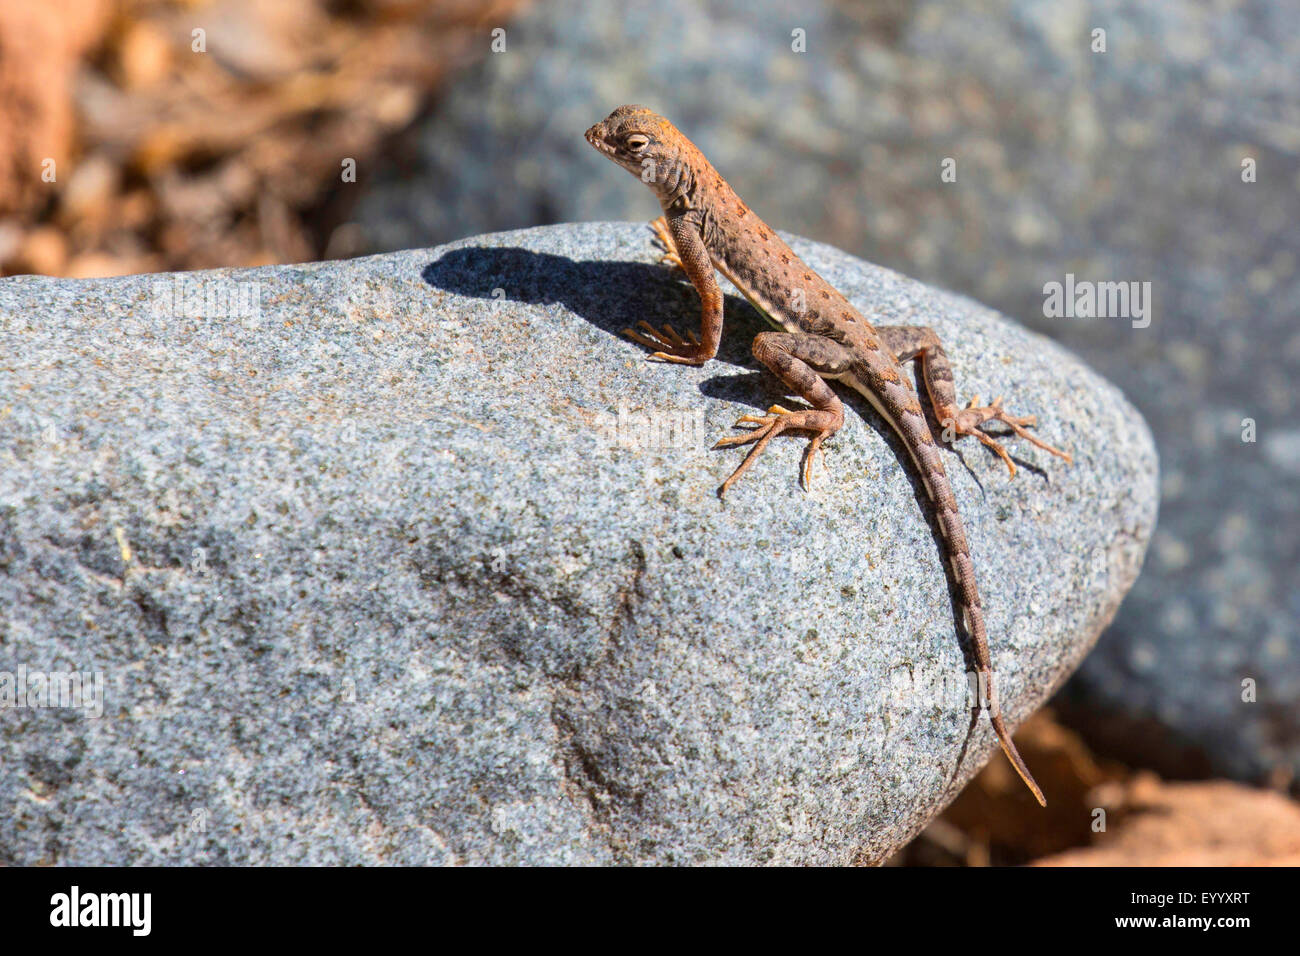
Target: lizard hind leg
967, 421
801, 361
920, 342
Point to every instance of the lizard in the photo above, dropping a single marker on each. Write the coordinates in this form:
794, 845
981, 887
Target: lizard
705, 226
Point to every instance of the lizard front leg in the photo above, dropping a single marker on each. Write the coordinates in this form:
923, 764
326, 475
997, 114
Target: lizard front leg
664, 240
800, 360
684, 231
920, 342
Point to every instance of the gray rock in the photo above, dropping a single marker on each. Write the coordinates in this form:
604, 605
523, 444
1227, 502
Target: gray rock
421, 562
1122, 165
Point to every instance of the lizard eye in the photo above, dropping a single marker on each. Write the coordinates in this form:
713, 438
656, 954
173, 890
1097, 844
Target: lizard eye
636, 142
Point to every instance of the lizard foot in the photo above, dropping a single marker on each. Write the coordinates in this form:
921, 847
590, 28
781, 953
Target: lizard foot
668, 345
968, 420
778, 419
664, 240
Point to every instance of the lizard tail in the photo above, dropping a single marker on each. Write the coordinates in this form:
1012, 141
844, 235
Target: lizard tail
974, 615
1009, 748
911, 427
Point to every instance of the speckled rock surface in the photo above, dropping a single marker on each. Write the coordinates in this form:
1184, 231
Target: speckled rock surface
419, 561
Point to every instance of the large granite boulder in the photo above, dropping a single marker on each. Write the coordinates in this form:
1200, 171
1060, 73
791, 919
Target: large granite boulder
415, 559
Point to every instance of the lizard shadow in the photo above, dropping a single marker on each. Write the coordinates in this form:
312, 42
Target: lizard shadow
612, 296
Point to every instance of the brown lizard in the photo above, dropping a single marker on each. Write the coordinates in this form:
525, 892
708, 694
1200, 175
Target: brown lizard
704, 226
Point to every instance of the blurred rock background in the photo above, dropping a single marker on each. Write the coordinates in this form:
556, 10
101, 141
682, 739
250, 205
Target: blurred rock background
1114, 165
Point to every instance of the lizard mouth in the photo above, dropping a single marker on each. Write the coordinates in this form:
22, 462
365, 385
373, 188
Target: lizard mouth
596, 137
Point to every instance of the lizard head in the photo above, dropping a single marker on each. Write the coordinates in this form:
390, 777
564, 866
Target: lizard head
646, 145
